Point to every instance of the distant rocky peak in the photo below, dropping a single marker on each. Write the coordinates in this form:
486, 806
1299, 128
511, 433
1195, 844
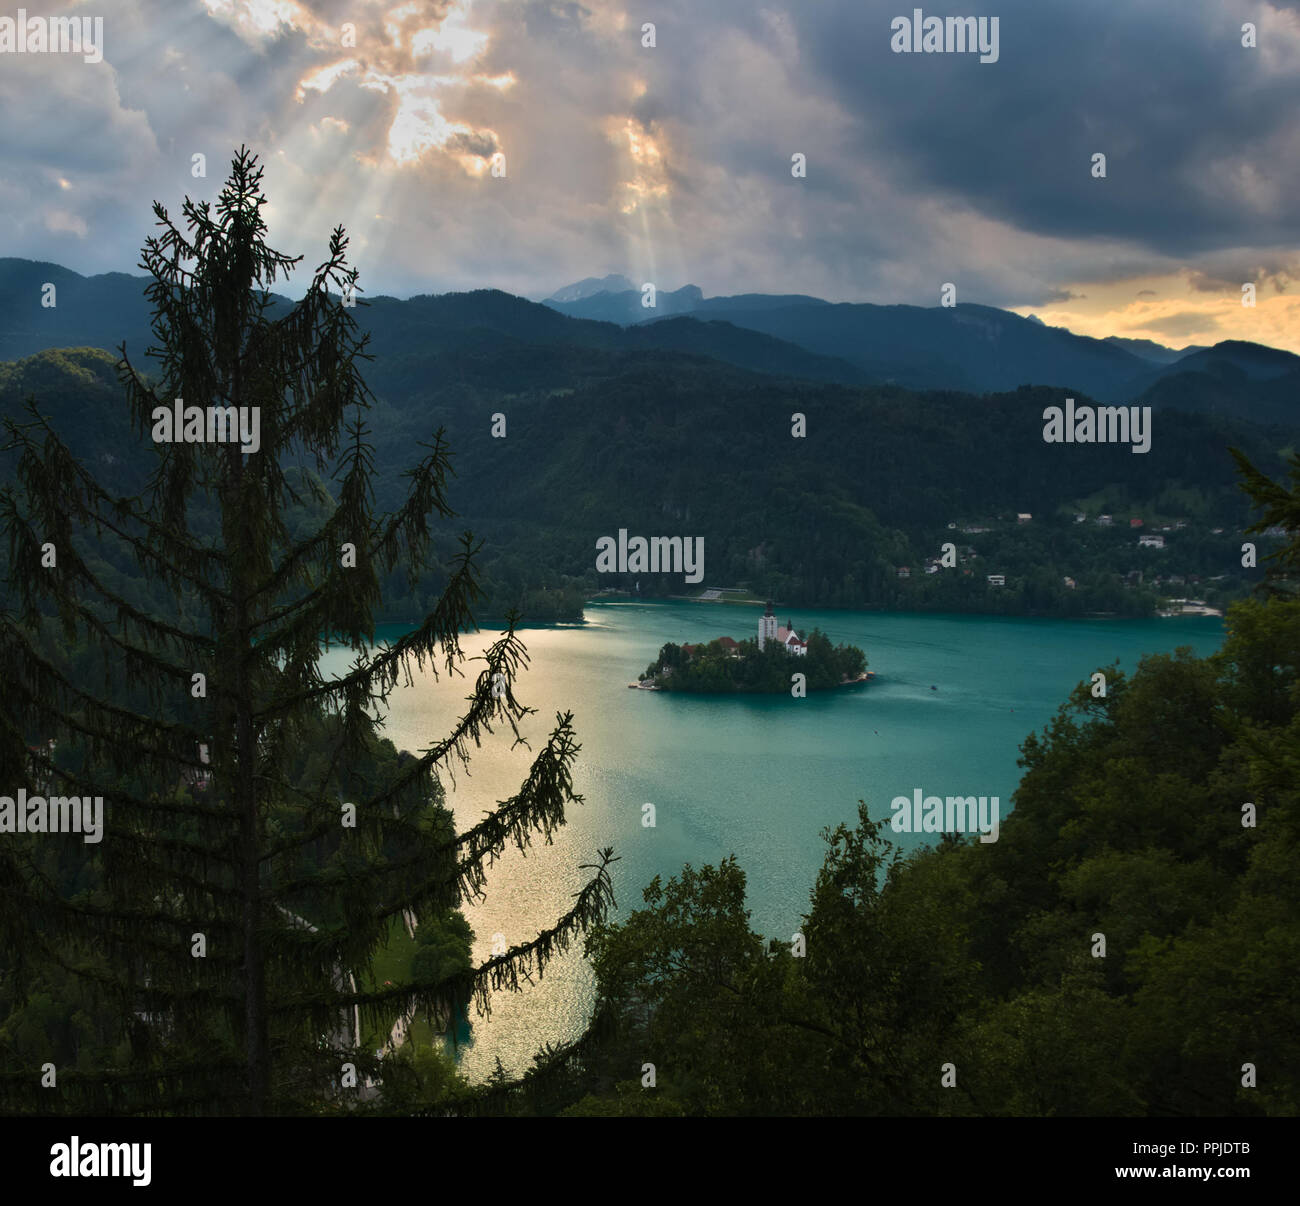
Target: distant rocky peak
590, 286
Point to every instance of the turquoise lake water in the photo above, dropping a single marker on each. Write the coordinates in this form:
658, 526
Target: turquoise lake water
756, 777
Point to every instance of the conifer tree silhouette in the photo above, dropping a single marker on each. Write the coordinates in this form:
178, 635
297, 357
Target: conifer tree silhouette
252, 806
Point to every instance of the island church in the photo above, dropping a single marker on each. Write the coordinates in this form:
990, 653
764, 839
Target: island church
784, 636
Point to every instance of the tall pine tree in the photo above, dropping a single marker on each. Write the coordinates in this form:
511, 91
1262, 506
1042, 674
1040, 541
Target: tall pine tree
242, 887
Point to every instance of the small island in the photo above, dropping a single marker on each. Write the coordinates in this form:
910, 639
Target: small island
760, 665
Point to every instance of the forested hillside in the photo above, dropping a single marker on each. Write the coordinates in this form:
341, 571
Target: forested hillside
662, 443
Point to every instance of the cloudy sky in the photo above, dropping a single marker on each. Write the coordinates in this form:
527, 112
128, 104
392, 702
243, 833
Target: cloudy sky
672, 163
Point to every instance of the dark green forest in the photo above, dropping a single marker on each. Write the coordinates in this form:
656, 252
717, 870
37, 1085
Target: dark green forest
675, 444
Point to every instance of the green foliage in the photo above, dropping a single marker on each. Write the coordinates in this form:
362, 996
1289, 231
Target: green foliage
715, 668
443, 945
421, 1076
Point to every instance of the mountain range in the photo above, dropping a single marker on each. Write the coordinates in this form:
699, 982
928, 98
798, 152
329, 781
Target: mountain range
684, 424
972, 348
968, 348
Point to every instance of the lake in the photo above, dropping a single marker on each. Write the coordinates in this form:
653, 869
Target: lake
758, 777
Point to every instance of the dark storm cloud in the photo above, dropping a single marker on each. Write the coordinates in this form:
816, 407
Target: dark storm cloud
919, 162
922, 168
1196, 128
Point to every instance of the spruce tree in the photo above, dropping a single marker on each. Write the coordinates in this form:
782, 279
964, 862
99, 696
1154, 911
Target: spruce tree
1279, 505
242, 887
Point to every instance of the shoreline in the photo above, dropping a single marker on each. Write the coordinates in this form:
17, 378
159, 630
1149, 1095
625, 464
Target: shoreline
612, 598
865, 677
488, 623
